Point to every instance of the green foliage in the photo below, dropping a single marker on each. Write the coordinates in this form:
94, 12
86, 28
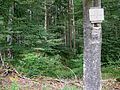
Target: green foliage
111, 31
14, 86
46, 88
77, 65
71, 88
39, 65
112, 70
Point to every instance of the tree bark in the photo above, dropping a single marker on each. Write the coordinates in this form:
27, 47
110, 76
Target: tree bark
30, 14
9, 37
92, 49
69, 32
56, 14
73, 26
45, 26
1, 58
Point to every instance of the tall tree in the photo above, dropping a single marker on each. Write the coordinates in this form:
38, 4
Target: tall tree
45, 25
73, 19
10, 20
92, 48
69, 32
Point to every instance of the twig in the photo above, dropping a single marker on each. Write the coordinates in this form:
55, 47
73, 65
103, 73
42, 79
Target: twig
3, 63
71, 71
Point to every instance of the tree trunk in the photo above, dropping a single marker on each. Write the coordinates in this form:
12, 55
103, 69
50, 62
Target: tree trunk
56, 14
9, 37
92, 49
73, 26
69, 38
45, 26
1, 58
30, 14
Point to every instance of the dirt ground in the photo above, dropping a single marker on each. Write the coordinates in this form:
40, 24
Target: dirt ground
46, 83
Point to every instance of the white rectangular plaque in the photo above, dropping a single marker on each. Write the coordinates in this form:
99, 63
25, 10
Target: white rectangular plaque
96, 14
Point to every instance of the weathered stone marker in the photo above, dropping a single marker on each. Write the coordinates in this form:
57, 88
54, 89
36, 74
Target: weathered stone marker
93, 16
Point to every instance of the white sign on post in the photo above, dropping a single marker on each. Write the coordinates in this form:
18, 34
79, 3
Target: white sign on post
96, 15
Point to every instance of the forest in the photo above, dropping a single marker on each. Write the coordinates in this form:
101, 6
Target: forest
42, 44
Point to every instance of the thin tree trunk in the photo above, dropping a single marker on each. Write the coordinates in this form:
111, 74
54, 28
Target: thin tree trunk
69, 25
49, 16
45, 26
73, 26
56, 15
92, 49
30, 14
2, 60
77, 38
9, 37
67, 29
65, 34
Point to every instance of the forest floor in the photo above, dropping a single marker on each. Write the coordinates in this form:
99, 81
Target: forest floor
13, 82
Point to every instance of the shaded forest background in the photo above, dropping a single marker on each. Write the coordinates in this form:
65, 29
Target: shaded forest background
45, 37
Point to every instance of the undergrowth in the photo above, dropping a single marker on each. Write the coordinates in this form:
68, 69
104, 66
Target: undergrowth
112, 70
40, 64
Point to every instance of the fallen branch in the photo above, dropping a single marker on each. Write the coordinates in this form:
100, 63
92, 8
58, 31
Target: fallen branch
71, 71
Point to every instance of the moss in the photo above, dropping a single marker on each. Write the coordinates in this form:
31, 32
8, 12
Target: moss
35, 80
